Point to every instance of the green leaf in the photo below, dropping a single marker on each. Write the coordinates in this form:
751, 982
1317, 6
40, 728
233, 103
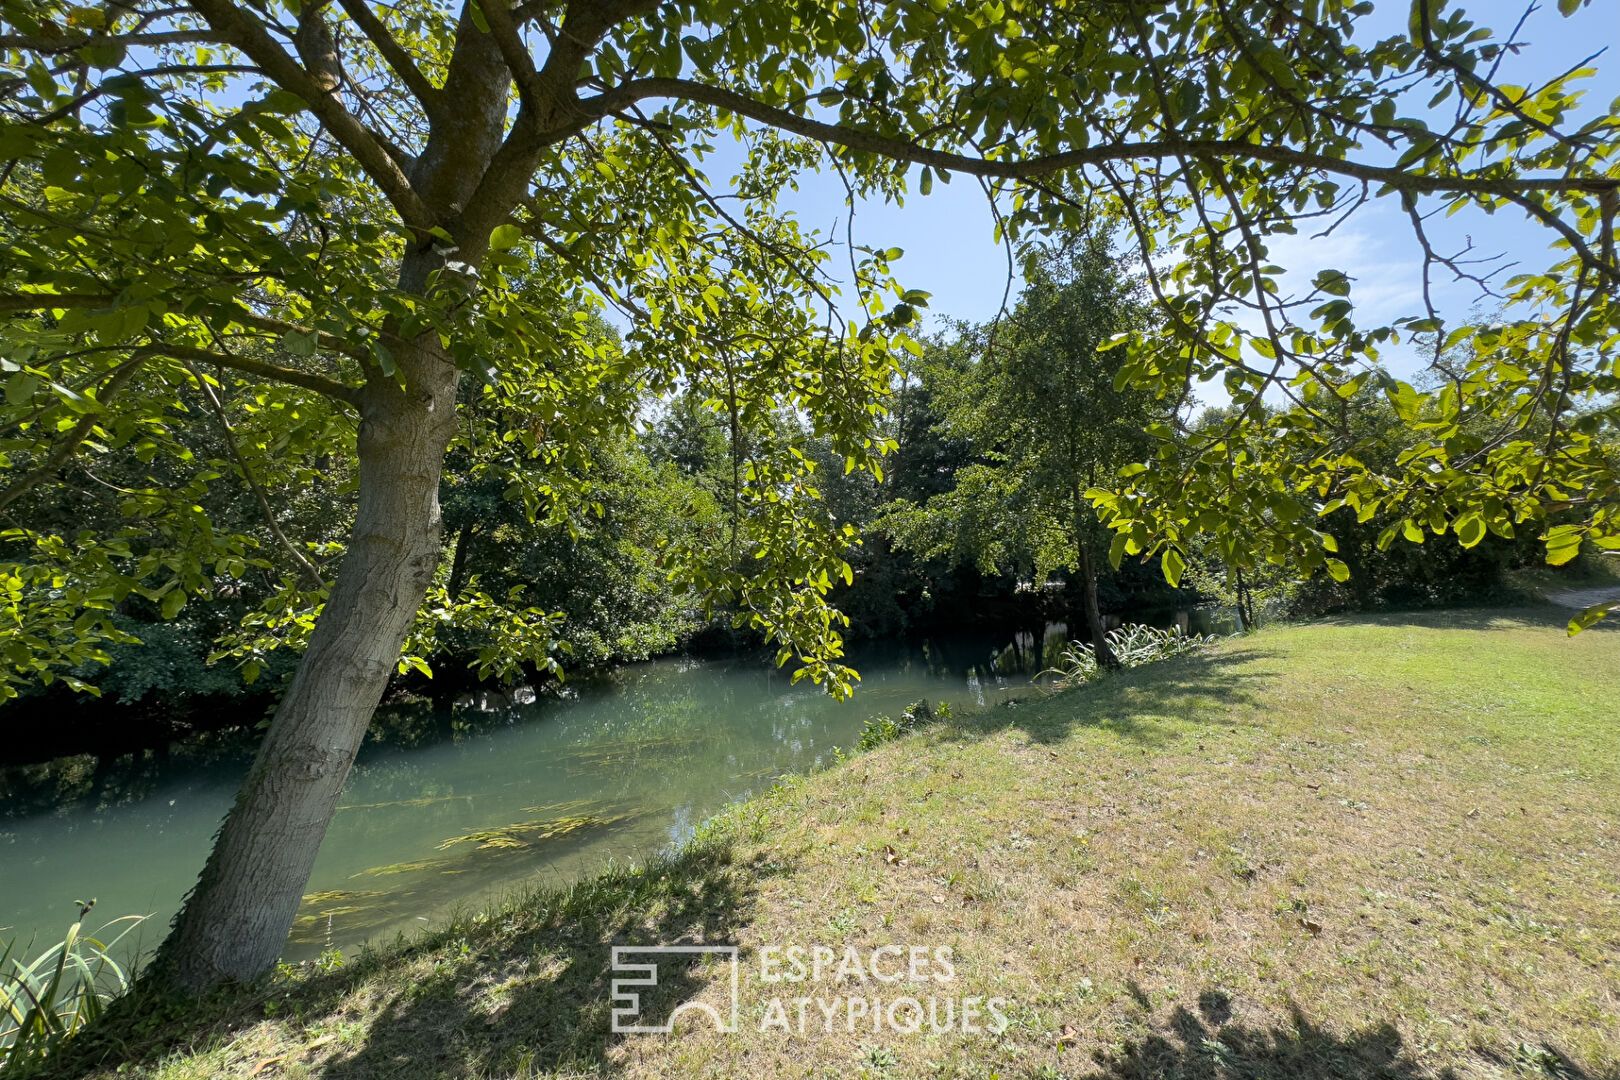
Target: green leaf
1591, 616
505, 237
172, 602
1405, 400
1564, 543
1173, 566
1116, 550
1333, 282
1470, 530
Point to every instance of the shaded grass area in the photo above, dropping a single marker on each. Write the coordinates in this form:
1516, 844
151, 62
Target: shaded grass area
1363, 848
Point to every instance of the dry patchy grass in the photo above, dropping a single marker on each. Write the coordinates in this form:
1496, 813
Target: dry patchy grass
1372, 848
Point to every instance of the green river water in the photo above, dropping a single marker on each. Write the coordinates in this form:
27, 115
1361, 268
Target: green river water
507, 795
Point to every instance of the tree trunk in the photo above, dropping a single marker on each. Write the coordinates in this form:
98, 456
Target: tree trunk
1086, 598
1099, 637
458, 561
236, 919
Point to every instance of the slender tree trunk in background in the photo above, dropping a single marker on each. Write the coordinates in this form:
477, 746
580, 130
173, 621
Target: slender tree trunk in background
1086, 596
235, 921
1099, 637
458, 561
1245, 602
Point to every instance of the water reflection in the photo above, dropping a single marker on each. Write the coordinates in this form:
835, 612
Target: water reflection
445, 809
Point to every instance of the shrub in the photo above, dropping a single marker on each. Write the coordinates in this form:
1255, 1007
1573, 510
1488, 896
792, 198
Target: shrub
881, 729
1134, 644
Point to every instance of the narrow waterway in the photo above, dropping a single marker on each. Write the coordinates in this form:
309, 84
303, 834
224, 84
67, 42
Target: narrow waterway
505, 795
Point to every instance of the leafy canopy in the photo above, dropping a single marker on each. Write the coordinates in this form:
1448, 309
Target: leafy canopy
239, 198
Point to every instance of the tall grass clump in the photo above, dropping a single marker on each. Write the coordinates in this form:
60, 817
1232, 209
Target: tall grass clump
48, 999
882, 729
1134, 644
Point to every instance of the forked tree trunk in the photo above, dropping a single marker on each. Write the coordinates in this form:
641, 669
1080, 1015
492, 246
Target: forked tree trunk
236, 919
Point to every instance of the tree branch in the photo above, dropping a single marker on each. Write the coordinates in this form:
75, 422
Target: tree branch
321, 338
1028, 168
73, 42
54, 301
397, 58
244, 31
76, 435
271, 372
259, 495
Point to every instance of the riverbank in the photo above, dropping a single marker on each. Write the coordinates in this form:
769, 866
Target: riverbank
1380, 847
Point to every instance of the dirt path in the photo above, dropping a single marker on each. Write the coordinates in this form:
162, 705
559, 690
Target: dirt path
1581, 599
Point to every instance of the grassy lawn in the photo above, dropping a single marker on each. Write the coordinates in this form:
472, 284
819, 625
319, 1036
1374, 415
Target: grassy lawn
1374, 848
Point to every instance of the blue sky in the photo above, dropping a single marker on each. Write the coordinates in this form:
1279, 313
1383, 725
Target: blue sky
951, 252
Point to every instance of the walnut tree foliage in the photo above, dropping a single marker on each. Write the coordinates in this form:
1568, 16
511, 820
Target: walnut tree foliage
211, 198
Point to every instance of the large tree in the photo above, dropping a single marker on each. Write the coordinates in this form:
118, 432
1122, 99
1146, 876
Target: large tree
410, 211
1035, 397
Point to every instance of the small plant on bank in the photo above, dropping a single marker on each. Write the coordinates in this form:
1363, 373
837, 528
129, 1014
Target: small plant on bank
50, 998
1134, 645
882, 729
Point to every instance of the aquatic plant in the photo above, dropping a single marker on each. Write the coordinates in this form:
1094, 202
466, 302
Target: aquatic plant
1133, 645
50, 998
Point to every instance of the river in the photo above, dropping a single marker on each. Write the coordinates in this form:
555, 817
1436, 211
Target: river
503, 795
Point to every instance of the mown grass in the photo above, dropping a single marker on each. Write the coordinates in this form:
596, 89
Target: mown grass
1372, 848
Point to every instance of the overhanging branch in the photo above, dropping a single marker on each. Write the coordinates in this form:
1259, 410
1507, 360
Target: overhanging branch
270, 372
70, 443
619, 97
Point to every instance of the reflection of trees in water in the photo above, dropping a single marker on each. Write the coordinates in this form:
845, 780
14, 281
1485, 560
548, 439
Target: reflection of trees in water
645, 753
86, 782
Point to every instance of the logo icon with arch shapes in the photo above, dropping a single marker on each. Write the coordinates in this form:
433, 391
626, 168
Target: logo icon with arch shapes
627, 1000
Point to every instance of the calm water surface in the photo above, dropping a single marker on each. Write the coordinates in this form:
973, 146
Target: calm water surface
547, 791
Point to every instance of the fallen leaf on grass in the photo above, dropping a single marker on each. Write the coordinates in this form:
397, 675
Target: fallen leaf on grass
938, 899
1310, 928
891, 856
1068, 1036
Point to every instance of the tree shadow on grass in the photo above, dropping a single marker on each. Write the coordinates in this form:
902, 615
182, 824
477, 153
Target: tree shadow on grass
536, 997
1211, 1045
525, 988
1549, 616
1142, 704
